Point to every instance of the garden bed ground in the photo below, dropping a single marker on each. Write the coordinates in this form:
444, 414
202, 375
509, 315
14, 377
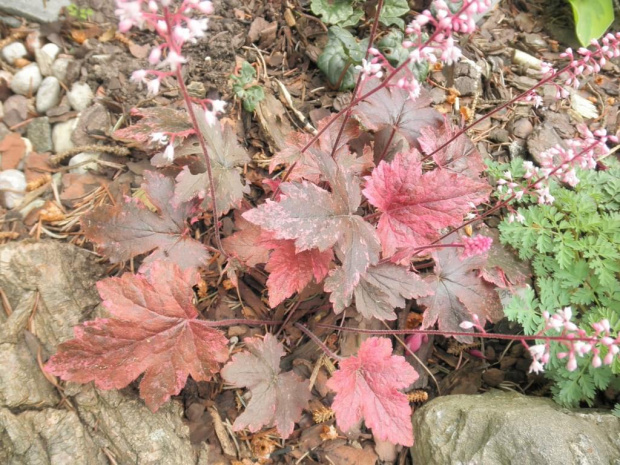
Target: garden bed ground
283, 41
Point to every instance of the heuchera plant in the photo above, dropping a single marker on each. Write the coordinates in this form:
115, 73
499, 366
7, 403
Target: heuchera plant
351, 219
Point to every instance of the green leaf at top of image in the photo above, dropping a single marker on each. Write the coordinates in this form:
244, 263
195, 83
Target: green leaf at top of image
340, 56
392, 11
592, 18
339, 12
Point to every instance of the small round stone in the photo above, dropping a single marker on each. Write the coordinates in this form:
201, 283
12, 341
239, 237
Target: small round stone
61, 135
81, 158
48, 95
14, 51
80, 96
27, 80
16, 181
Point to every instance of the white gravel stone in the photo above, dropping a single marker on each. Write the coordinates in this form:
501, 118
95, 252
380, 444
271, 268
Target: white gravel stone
81, 158
15, 180
60, 66
48, 95
80, 96
27, 80
45, 57
14, 51
51, 50
61, 135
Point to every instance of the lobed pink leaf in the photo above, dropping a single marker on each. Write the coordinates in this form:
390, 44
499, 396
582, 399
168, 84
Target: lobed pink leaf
380, 290
291, 271
503, 267
305, 163
153, 330
246, 244
415, 206
367, 387
459, 156
391, 109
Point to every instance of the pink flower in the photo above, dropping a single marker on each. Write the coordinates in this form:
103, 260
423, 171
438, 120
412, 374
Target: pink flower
415, 341
476, 245
155, 56
139, 76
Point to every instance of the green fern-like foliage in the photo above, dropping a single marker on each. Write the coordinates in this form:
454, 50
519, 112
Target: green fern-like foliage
574, 248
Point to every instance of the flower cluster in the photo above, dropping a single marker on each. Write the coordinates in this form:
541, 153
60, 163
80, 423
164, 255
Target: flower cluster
445, 23
581, 153
576, 341
440, 46
476, 245
591, 61
371, 67
560, 162
173, 23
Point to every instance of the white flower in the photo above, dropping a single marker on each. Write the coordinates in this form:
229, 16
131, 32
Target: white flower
537, 351
210, 117
159, 138
139, 76
153, 86
182, 34
536, 367
198, 27
219, 106
169, 152
206, 8
370, 69
174, 60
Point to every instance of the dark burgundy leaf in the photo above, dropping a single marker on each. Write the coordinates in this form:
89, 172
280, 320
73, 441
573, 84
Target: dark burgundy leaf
125, 230
277, 398
458, 293
163, 120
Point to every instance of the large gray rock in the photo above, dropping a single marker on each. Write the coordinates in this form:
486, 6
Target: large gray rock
500, 428
43, 12
48, 436
99, 427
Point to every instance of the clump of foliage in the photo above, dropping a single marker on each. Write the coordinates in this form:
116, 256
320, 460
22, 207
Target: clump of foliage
246, 87
79, 13
344, 53
348, 217
346, 13
574, 248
